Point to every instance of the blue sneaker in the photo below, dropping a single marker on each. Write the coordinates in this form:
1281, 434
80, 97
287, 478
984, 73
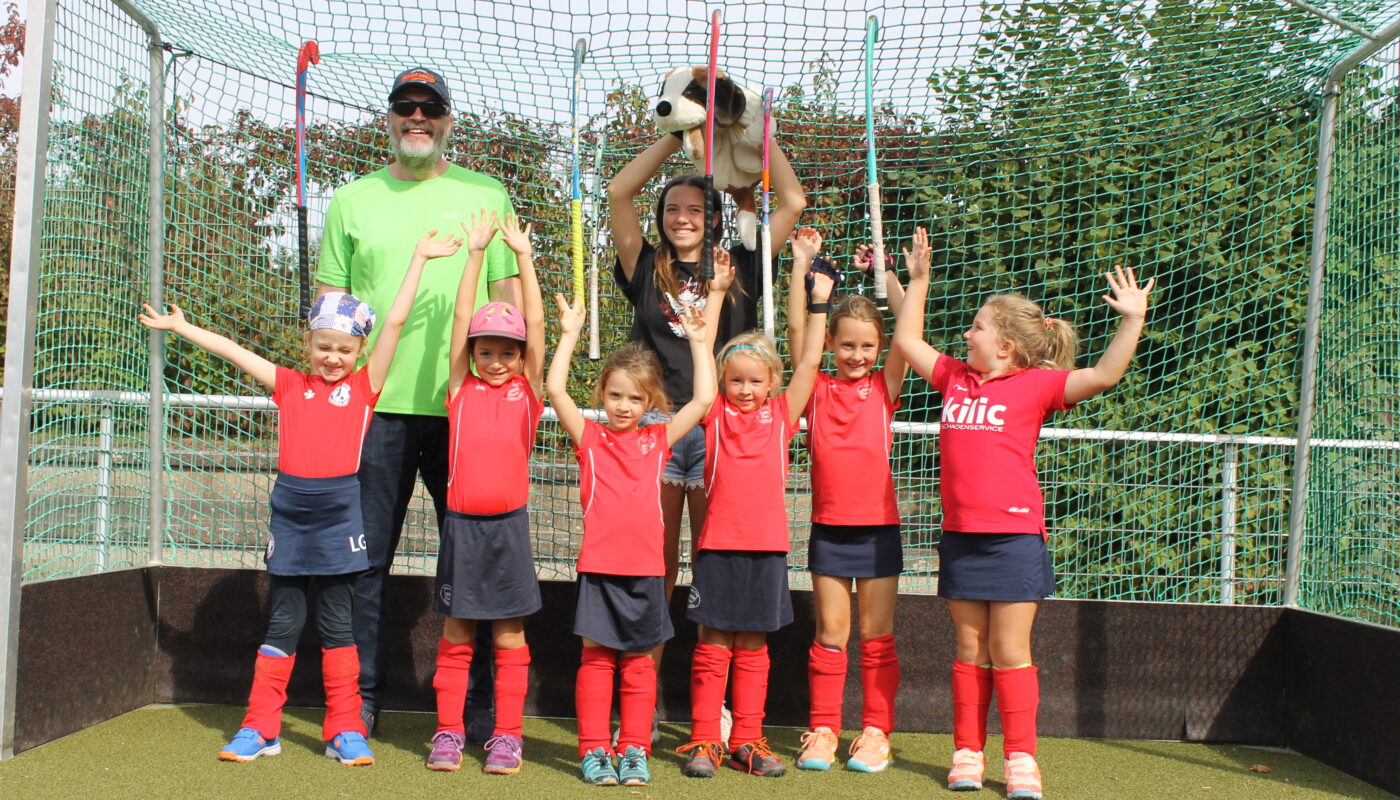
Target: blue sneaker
350, 749
248, 744
632, 767
597, 766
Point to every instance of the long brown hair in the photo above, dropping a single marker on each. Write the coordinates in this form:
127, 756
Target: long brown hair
1040, 341
663, 274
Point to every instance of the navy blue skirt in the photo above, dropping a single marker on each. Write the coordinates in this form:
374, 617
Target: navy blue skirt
1005, 567
316, 527
740, 590
624, 612
855, 551
485, 569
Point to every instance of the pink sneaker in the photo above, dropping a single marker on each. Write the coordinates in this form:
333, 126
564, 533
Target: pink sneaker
1022, 777
966, 773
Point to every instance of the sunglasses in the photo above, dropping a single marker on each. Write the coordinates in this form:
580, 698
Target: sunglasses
432, 109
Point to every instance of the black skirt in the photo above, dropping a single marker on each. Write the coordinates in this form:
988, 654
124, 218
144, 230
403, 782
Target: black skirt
316, 527
740, 590
1004, 567
855, 551
624, 612
485, 569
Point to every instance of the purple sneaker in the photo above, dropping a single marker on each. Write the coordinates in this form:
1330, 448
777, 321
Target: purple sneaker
503, 754
447, 751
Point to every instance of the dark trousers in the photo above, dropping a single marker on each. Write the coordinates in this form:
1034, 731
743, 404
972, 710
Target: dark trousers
398, 449
286, 600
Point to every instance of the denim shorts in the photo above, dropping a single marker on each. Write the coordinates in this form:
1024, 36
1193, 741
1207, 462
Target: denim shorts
687, 465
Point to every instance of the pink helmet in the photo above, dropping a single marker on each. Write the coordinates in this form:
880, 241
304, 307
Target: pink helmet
498, 319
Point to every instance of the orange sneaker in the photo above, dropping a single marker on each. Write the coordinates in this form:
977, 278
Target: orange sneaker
1022, 777
966, 773
870, 752
818, 749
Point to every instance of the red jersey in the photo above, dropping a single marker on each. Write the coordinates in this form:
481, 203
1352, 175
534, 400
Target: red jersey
492, 431
321, 426
848, 433
620, 488
746, 468
986, 441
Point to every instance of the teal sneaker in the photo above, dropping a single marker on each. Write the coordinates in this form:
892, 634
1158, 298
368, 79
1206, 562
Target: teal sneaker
350, 749
248, 744
632, 767
597, 767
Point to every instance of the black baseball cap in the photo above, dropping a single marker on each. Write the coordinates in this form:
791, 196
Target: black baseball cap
422, 78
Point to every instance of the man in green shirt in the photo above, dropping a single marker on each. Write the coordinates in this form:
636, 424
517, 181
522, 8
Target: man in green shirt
371, 229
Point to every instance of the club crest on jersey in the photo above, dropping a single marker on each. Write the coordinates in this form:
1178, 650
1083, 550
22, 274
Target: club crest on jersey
309, 394
864, 391
514, 393
765, 415
646, 443
340, 395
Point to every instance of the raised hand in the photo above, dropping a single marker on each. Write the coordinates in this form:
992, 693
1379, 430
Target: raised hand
693, 322
515, 237
806, 243
724, 271
821, 285
161, 322
1127, 298
481, 231
865, 258
430, 248
571, 318
917, 260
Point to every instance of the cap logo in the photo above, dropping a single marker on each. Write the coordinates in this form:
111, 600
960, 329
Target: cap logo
419, 77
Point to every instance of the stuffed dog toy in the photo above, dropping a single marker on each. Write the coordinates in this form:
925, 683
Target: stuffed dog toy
738, 159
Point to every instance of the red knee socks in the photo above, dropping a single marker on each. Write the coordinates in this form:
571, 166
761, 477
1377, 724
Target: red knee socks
879, 676
638, 701
972, 695
450, 683
709, 670
340, 672
1018, 697
826, 679
269, 694
593, 698
750, 695
512, 682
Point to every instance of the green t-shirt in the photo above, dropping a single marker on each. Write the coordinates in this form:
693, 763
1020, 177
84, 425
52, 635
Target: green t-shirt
372, 227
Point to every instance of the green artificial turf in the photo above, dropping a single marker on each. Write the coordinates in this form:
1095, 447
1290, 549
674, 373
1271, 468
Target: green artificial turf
170, 752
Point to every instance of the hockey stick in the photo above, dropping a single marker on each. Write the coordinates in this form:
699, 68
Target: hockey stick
309, 54
877, 226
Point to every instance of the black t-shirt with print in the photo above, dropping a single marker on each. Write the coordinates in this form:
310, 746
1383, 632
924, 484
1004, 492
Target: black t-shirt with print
656, 321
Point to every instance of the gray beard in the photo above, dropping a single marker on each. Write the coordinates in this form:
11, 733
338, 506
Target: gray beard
419, 159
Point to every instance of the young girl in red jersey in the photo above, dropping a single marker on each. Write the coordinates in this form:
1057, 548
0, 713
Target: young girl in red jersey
855, 522
994, 566
315, 531
739, 592
485, 567
622, 614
